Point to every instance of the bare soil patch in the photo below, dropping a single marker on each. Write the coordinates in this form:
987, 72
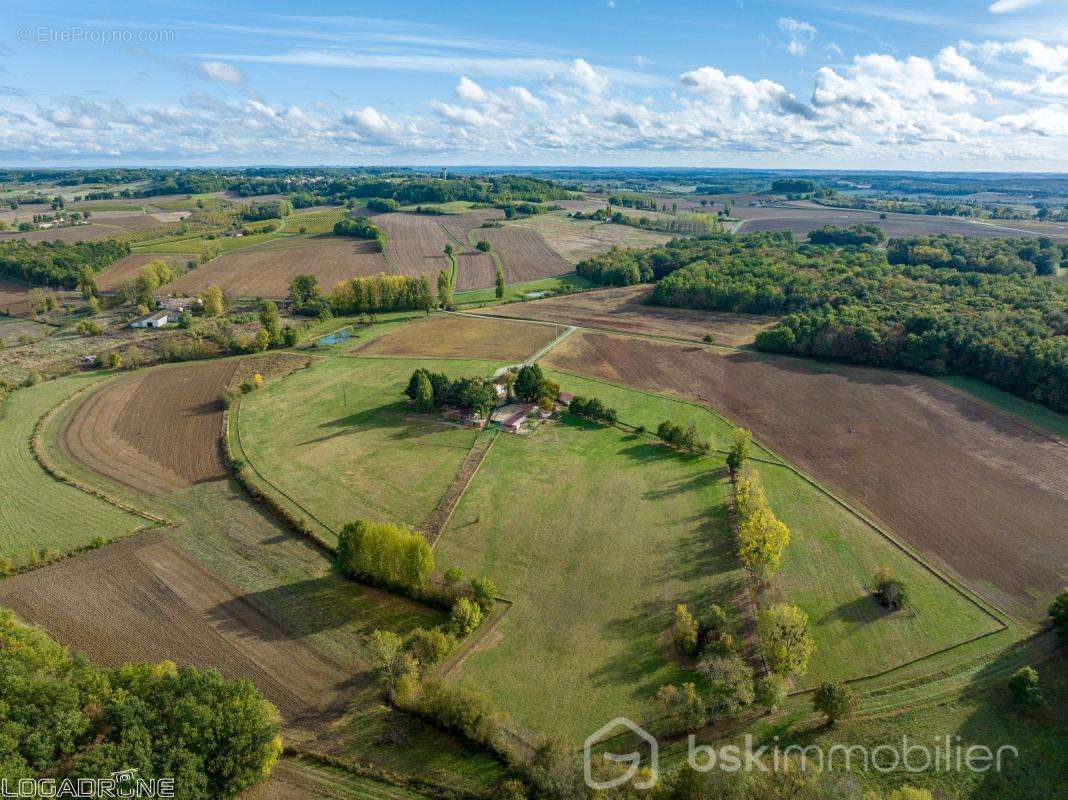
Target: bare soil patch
127, 268
266, 270
156, 430
14, 298
524, 254
457, 336
623, 309
977, 491
144, 599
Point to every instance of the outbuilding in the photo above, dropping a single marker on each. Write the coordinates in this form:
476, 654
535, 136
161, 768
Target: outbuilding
157, 320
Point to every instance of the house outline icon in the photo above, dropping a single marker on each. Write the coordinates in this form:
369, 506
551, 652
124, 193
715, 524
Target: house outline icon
633, 758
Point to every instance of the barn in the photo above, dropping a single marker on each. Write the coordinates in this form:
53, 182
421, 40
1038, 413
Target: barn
157, 320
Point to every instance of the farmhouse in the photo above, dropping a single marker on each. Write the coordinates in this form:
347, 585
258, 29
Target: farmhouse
511, 417
157, 320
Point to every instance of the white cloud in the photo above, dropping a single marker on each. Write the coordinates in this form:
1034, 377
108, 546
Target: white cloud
586, 77
370, 123
470, 91
221, 72
953, 63
1009, 6
800, 34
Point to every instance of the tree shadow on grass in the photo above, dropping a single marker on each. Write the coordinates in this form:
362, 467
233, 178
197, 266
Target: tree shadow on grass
391, 416
303, 608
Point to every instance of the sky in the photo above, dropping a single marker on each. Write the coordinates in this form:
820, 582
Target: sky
971, 85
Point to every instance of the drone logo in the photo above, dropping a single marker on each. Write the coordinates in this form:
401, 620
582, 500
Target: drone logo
633, 759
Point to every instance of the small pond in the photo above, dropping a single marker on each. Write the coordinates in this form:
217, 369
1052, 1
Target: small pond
337, 337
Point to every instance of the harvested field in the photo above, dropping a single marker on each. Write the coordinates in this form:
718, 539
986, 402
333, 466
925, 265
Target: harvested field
267, 269
576, 239
804, 217
974, 490
456, 336
415, 244
292, 779
14, 298
75, 233
127, 268
623, 309
144, 599
271, 365
524, 254
174, 445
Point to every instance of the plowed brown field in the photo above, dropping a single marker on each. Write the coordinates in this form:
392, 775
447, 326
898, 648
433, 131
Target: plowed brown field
524, 255
975, 490
144, 599
155, 430
415, 245
455, 336
128, 268
266, 270
623, 309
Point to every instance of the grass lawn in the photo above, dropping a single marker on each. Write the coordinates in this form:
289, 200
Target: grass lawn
1031, 413
596, 533
199, 244
350, 446
518, 291
37, 511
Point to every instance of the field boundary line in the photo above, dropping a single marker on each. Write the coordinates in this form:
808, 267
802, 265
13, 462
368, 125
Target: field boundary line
1018, 419
236, 428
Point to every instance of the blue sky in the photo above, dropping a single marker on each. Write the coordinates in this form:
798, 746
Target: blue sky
964, 85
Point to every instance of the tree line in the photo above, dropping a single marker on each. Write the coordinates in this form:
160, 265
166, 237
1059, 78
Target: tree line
379, 293
361, 228
428, 390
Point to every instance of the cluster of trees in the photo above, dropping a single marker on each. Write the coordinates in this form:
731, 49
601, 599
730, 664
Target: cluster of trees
992, 256
58, 264
855, 235
793, 185
730, 683
762, 536
361, 228
273, 209
385, 554
383, 204
380, 293
531, 386
688, 438
593, 409
67, 718
428, 390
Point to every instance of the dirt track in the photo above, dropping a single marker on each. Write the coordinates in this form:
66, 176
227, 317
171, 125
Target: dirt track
977, 491
623, 309
145, 600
